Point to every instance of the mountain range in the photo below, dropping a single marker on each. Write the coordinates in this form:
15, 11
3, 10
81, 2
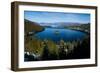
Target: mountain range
55, 24
60, 24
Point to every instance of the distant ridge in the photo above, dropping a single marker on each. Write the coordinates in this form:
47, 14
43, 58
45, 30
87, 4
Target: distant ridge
61, 24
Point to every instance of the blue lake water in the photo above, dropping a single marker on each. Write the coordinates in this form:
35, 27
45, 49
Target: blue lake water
56, 34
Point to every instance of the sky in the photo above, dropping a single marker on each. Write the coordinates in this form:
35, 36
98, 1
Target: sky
53, 17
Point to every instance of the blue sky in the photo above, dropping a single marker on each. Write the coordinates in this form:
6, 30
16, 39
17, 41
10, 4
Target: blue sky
52, 17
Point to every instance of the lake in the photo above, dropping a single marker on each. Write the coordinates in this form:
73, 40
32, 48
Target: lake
56, 34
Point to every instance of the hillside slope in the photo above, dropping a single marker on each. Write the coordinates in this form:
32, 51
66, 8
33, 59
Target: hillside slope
32, 26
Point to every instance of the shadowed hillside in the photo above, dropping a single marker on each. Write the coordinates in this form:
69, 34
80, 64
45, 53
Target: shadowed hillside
32, 26
30, 29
